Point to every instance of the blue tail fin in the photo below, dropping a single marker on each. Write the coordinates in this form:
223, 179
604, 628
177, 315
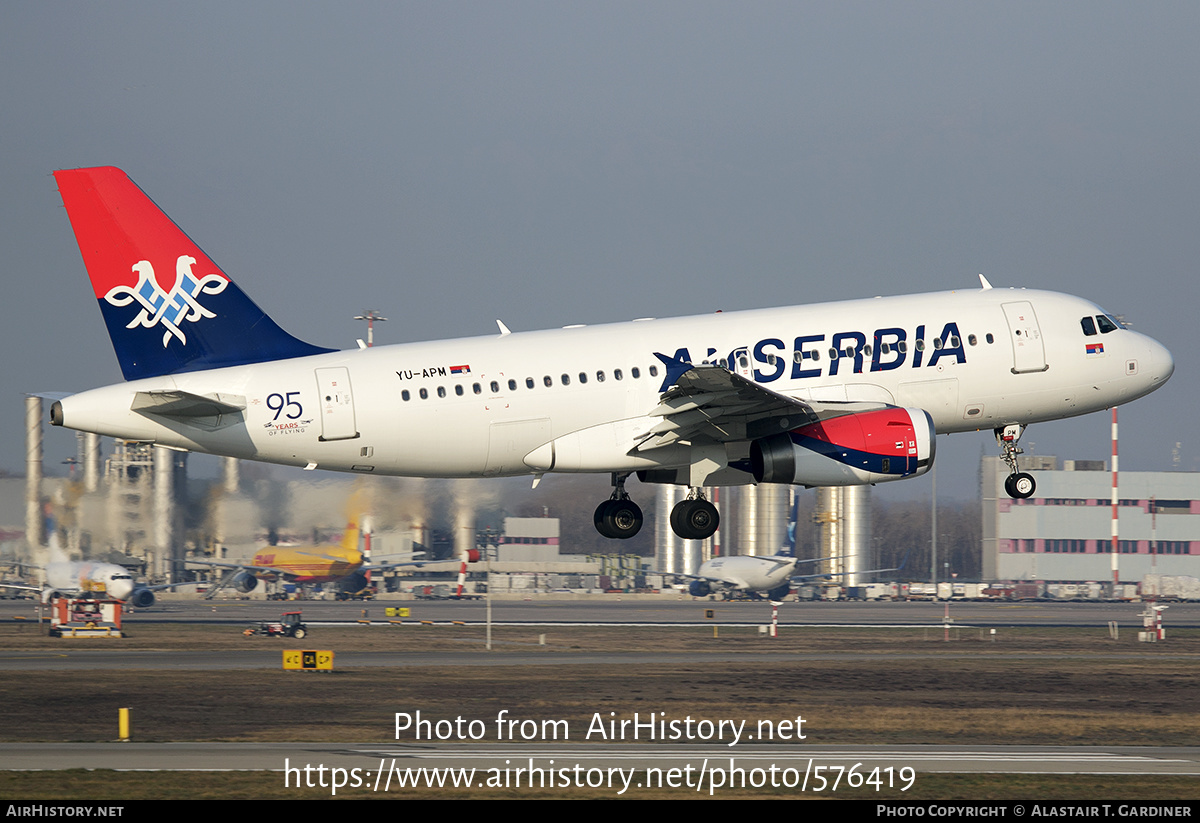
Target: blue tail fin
202, 321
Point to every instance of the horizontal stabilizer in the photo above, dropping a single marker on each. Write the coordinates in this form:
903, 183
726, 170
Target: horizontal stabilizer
182, 404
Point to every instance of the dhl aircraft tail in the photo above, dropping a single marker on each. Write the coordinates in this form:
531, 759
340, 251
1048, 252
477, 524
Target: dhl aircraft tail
201, 320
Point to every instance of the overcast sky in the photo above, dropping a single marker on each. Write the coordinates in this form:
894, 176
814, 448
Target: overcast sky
554, 163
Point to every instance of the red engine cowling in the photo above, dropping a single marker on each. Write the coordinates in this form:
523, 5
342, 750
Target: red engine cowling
866, 447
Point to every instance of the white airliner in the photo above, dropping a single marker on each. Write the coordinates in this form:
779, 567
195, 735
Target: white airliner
769, 576
835, 394
72, 578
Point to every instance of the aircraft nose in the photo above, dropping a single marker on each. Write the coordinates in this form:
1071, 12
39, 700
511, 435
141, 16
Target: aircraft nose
120, 589
1162, 364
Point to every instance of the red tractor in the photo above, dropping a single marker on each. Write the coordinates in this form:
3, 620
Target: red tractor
289, 625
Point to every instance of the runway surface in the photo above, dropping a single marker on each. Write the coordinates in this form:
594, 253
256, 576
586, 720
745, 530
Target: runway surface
659, 612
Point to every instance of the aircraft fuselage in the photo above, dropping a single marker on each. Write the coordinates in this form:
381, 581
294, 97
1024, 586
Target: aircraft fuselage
483, 406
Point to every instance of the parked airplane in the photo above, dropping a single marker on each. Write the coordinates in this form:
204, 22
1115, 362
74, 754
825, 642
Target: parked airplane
72, 578
771, 576
836, 394
343, 564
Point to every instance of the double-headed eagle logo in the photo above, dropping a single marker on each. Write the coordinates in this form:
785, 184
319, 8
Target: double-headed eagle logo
167, 308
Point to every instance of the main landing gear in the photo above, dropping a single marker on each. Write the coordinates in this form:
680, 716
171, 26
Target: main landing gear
694, 518
1019, 485
618, 517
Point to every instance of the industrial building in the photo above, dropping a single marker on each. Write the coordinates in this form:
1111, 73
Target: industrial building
1064, 531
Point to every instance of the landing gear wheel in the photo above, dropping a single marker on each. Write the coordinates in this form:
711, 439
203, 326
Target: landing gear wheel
1023, 485
695, 519
1008, 486
618, 519
623, 519
599, 518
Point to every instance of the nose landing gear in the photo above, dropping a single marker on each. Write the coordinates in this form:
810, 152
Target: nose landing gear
1018, 485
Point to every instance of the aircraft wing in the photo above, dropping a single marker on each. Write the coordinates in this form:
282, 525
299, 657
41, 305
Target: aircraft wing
802, 577
711, 403
250, 567
160, 586
382, 567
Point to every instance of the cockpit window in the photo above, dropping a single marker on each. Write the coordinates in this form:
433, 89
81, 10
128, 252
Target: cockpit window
1089, 326
1106, 325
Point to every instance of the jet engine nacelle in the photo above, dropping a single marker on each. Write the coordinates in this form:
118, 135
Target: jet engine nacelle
352, 582
699, 588
851, 450
779, 592
141, 598
244, 582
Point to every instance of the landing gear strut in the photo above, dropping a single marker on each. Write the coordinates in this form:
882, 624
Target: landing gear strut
694, 518
618, 517
1019, 485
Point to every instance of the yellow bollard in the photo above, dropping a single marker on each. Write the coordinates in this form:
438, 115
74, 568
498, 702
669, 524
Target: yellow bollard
123, 725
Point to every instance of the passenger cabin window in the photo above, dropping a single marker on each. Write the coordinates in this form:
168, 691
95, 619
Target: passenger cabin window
529, 382
458, 389
566, 379
599, 377
404, 395
441, 391
989, 338
424, 394
477, 388
512, 385
495, 387
617, 374
583, 377
548, 380
1089, 326
972, 339
654, 371
635, 373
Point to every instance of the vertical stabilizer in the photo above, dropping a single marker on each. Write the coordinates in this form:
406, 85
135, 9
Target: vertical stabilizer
168, 307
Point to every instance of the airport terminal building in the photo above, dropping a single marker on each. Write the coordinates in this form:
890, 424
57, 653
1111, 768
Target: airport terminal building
1064, 531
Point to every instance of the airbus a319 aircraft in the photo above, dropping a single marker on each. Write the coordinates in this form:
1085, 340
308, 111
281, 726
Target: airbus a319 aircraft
836, 394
